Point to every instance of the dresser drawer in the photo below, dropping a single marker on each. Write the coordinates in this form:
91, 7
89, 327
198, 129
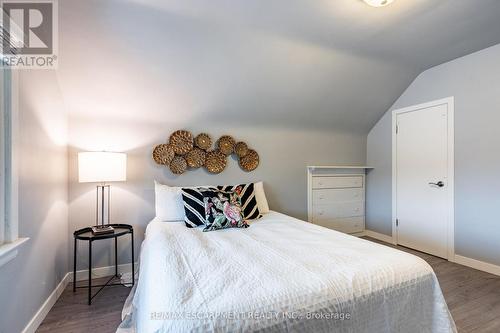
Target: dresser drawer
348, 225
325, 196
338, 210
337, 182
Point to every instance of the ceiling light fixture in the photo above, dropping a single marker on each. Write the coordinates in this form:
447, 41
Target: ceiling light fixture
378, 3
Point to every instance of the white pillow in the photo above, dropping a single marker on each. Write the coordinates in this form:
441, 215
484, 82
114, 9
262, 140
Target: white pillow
168, 203
260, 195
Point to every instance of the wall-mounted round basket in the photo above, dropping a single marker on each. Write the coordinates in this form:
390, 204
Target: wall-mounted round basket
241, 149
203, 141
182, 142
226, 144
163, 154
215, 161
196, 158
178, 165
250, 161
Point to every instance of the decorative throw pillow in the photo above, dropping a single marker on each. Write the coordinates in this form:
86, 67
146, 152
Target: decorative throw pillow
223, 210
194, 207
248, 199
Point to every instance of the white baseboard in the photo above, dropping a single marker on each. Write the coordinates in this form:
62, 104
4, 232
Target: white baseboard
46, 306
378, 236
465, 261
68, 278
101, 272
477, 264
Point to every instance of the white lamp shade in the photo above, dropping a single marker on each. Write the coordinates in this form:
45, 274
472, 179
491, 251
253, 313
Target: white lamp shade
102, 167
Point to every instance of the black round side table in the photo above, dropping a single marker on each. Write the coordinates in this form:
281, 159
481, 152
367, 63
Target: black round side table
86, 234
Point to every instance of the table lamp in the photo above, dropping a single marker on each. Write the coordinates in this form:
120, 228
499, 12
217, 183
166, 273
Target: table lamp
102, 168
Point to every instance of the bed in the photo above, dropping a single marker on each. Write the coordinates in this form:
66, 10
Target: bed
280, 275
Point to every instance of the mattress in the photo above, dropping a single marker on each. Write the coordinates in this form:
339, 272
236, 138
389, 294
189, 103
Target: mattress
280, 275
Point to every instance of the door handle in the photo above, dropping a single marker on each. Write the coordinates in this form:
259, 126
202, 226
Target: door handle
438, 184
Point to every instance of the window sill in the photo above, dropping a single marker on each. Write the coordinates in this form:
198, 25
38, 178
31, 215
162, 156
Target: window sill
8, 251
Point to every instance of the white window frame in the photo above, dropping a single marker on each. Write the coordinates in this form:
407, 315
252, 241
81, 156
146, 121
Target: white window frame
9, 131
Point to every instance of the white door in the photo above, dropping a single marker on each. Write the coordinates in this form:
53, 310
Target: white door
422, 179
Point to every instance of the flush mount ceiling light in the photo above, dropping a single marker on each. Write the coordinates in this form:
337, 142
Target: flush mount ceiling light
378, 3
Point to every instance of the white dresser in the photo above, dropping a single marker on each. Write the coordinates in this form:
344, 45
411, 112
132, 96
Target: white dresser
336, 197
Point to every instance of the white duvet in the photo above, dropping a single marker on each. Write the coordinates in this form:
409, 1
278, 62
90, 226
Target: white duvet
280, 275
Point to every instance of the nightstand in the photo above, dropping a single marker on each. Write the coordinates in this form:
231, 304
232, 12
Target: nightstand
86, 234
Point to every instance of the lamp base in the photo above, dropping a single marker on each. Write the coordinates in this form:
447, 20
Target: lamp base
102, 229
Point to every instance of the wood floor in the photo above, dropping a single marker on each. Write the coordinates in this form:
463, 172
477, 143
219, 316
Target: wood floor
71, 314
472, 296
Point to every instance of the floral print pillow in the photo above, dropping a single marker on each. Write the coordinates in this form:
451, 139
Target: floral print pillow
223, 210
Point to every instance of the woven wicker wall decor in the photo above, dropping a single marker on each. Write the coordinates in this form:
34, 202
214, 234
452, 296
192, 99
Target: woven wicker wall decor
178, 165
163, 154
196, 158
226, 145
216, 161
183, 151
182, 142
250, 161
203, 141
241, 149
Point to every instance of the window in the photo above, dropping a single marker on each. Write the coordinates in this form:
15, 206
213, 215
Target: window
5, 158
9, 240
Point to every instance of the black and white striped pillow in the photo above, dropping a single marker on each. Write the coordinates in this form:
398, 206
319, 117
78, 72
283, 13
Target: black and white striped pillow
194, 207
248, 200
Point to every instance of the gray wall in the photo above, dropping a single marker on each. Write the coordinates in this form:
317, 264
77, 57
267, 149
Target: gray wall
221, 75
474, 80
133, 71
42, 262
295, 79
379, 179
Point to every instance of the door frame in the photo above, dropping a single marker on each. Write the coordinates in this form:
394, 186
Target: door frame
450, 102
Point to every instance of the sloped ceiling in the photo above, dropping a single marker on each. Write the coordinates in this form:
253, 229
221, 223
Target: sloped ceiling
327, 64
